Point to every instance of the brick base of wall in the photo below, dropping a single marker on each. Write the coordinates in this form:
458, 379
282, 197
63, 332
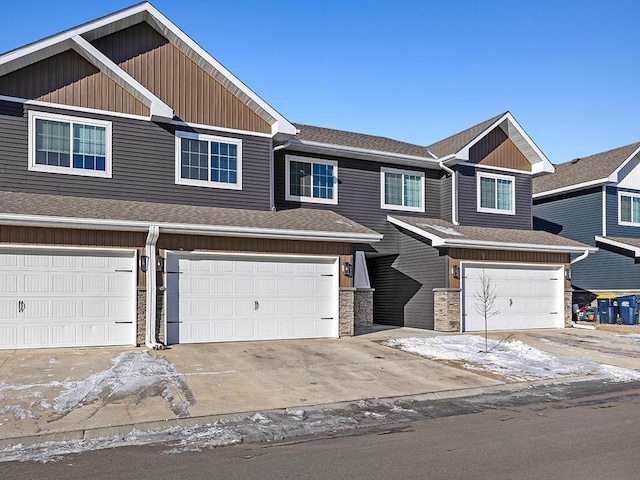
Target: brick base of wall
347, 313
446, 309
363, 310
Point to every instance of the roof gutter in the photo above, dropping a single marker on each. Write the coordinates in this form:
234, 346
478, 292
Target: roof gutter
581, 257
192, 229
480, 244
454, 193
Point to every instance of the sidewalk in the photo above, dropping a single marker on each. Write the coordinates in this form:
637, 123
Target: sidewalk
75, 394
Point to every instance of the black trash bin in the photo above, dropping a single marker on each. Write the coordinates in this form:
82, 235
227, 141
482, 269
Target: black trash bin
628, 308
607, 309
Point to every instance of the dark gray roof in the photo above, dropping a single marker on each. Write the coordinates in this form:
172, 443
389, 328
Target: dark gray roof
359, 140
594, 167
299, 219
448, 231
456, 142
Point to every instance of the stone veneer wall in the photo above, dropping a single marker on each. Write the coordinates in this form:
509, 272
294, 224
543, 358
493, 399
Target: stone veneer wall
446, 309
363, 310
160, 320
141, 319
568, 312
347, 313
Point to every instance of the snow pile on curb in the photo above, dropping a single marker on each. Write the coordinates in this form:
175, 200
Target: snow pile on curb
513, 360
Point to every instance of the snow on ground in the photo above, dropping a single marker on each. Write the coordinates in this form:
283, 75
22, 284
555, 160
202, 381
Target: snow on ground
513, 360
632, 337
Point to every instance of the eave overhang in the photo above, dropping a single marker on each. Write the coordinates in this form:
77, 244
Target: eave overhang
618, 244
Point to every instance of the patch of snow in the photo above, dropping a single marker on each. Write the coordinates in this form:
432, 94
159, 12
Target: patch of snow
260, 418
18, 412
633, 337
295, 412
513, 360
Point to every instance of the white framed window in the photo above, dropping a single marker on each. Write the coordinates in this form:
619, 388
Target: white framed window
208, 161
496, 193
628, 208
311, 180
401, 190
69, 145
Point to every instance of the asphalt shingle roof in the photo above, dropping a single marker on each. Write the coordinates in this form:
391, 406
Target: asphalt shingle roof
300, 219
594, 167
456, 142
446, 230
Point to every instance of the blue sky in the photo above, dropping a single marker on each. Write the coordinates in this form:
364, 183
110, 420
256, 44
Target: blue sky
416, 71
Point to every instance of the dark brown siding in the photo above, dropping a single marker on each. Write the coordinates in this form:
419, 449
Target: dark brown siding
497, 150
506, 256
143, 165
161, 67
68, 79
359, 194
468, 201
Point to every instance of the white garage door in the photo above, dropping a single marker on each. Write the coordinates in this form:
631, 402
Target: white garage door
526, 297
231, 298
57, 298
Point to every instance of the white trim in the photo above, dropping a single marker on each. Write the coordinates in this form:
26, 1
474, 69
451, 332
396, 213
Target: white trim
385, 206
70, 170
304, 199
207, 183
479, 176
571, 188
69, 248
627, 194
497, 169
215, 128
604, 210
219, 230
438, 241
38, 103
614, 176
623, 246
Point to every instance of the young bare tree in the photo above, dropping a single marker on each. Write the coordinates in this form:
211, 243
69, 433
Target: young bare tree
486, 303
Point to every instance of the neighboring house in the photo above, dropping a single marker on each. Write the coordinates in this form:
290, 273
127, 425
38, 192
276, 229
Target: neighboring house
448, 212
136, 200
596, 200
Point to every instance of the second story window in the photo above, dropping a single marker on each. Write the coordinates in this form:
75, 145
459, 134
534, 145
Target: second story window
311, 180
496, 194
401, 190
208, 161
629, 211
70, 145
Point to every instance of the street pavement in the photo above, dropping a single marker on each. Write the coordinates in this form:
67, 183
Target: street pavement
79, 394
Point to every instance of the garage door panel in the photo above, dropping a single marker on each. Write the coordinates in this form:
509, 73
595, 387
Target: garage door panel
63, 309
251, 298
526, 297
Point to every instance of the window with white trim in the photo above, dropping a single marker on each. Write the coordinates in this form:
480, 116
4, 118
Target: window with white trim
311, 180
628, 208
70, 145
401, 189
496, 193
208, 161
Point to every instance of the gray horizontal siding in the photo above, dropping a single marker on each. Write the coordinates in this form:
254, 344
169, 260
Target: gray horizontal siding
404, 283
613, 228
143, 165
359, 191
468, 201
446, 212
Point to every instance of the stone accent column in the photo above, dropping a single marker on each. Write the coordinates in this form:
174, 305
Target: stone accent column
160, 333
347, 317
363, 310
141, 312
568, 310
446, 309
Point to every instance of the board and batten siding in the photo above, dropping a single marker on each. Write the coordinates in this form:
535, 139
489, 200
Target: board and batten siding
359, 191
176, 79
468, 201
496, 149
143, 164
614, 229
404, 283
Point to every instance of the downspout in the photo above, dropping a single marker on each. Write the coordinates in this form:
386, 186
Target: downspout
454, 196
581, 257
151, 316
272, 168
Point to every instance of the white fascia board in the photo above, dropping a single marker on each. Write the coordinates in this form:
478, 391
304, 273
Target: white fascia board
614, 176
159, 110
623, 246
571, 188
362, 153
179, 228
528, 247
279, 124
436, 241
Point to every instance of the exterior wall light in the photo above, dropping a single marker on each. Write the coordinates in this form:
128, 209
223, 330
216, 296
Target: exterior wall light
567, 274
144, 263
455, 271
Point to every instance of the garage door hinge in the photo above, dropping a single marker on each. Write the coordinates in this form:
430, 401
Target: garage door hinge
128, 271
172, 272
553, 313
326, 318
123, 322
326, 274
